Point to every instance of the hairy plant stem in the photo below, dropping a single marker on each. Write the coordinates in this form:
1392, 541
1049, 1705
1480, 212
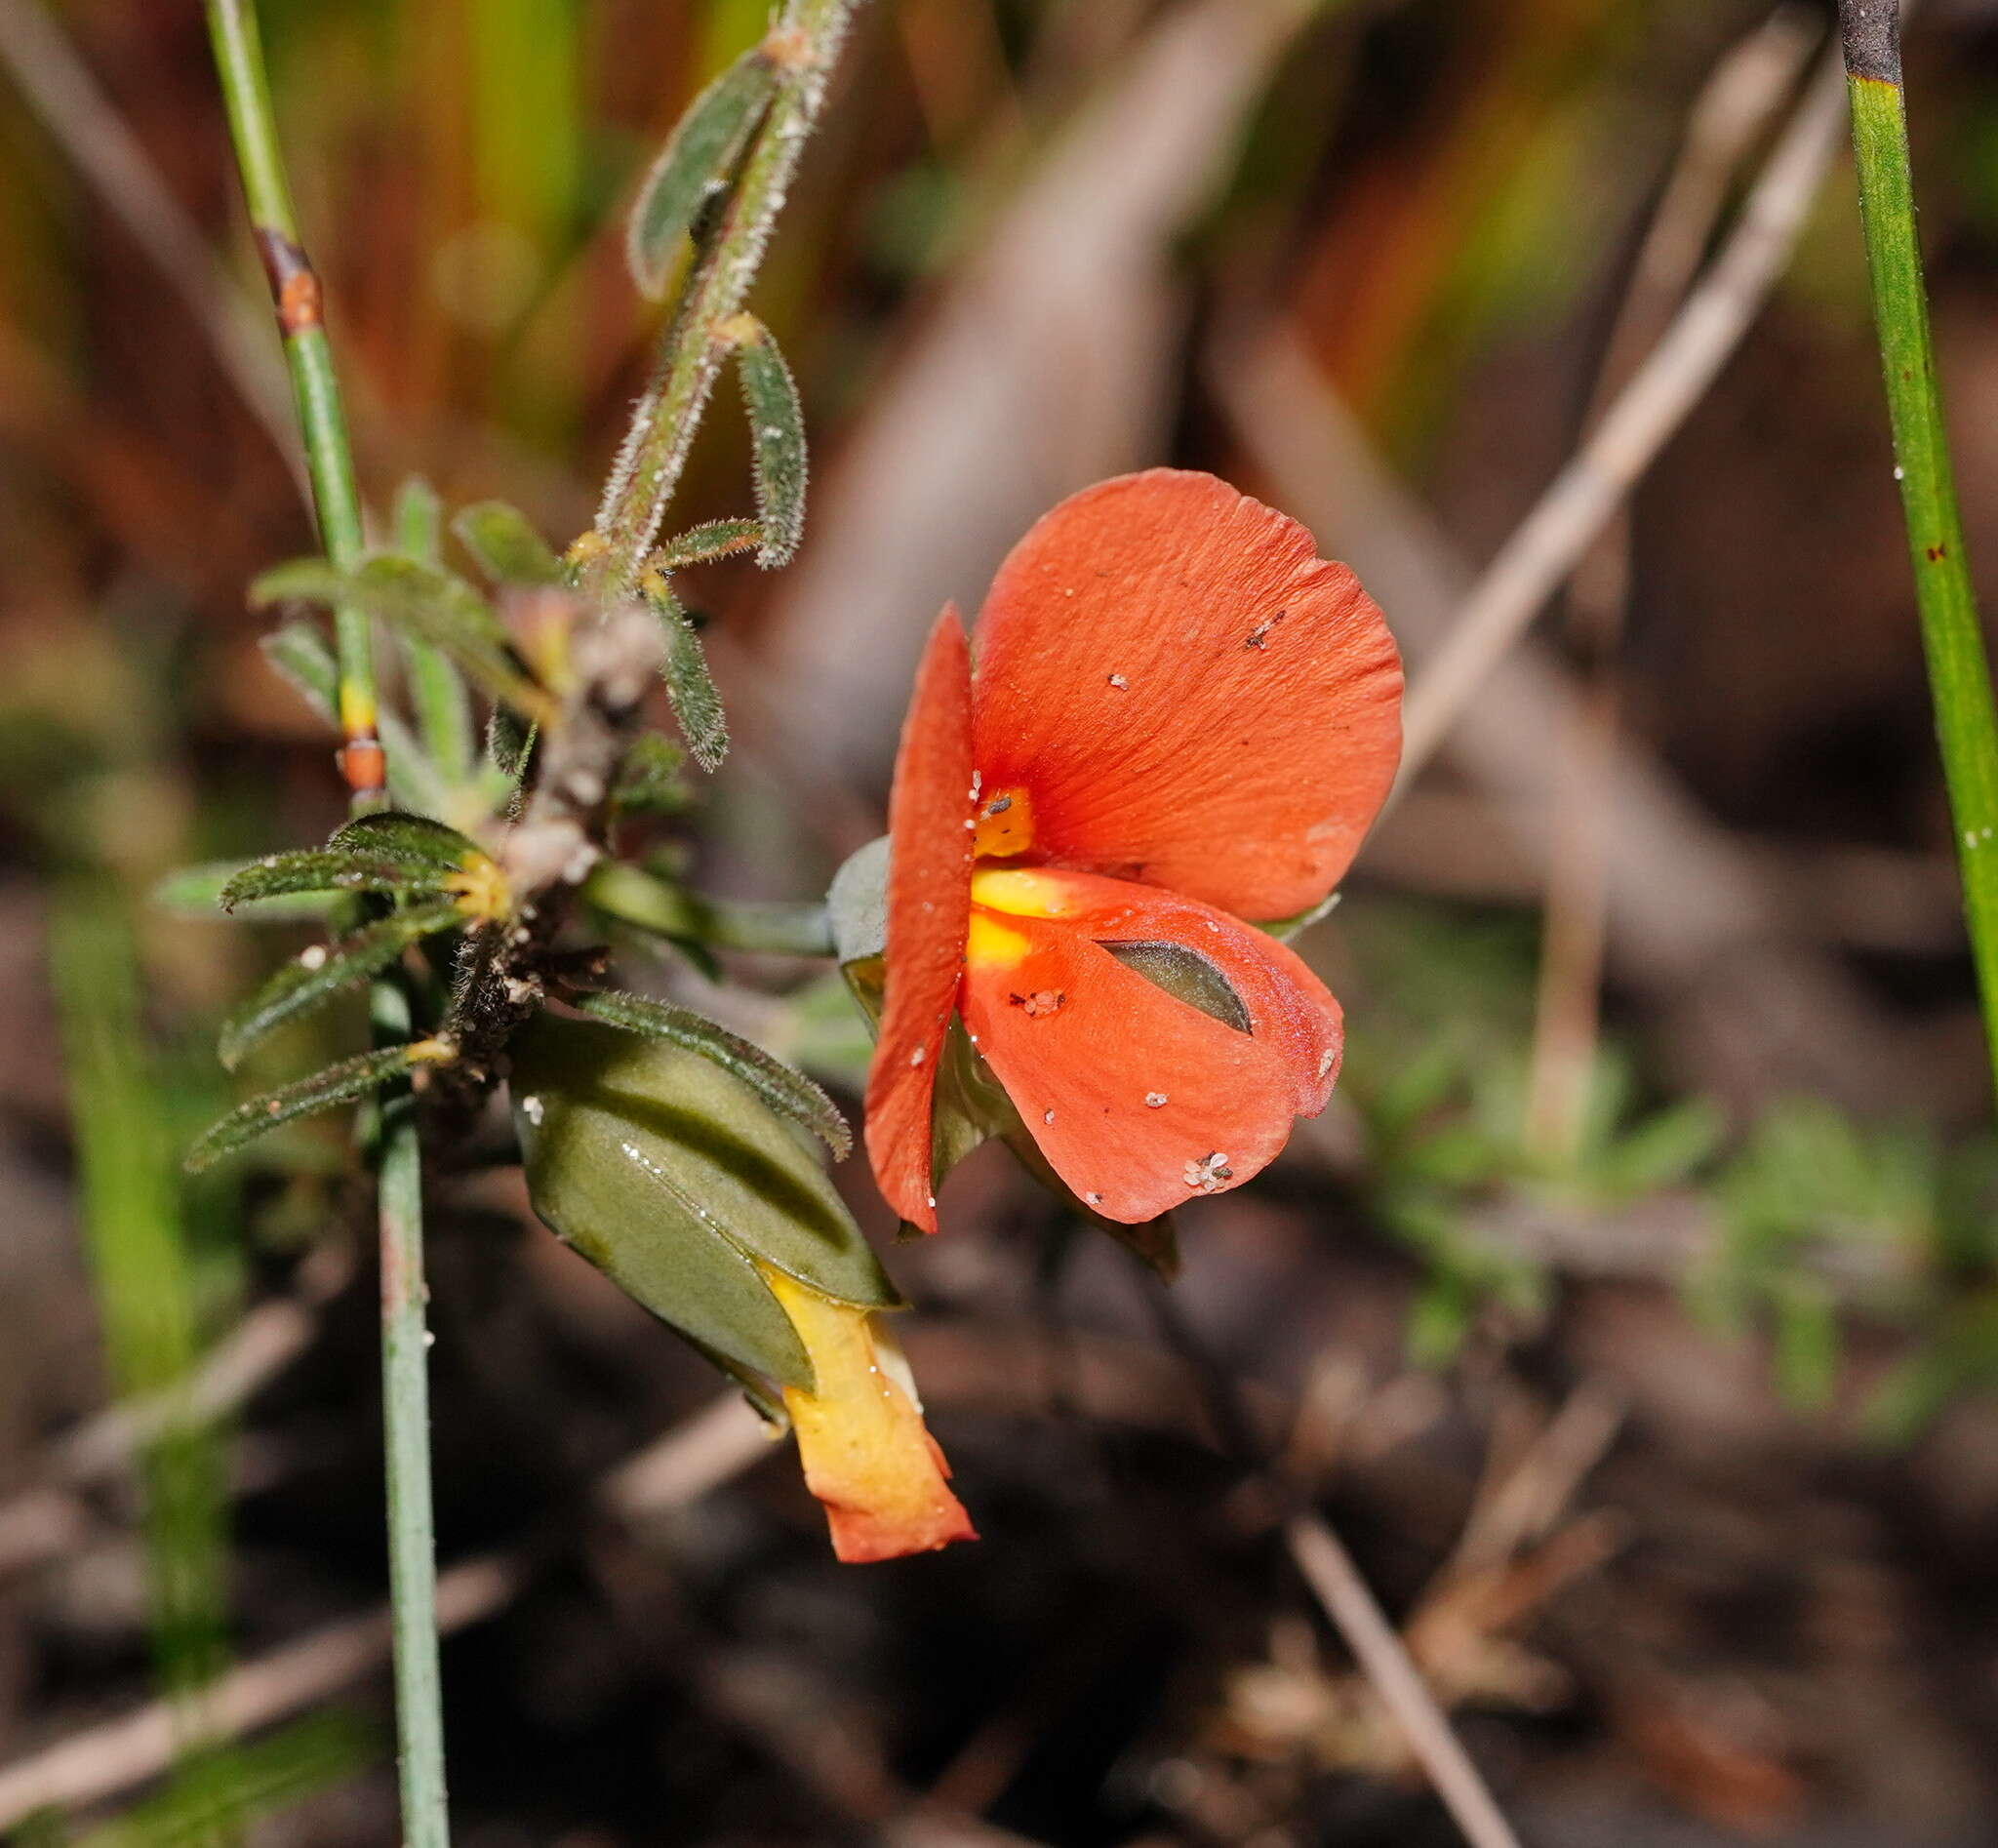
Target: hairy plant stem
804, 45
405, 1342
1959, 676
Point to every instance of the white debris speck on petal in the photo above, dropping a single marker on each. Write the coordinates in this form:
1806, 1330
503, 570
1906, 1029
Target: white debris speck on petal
1155, 1099
1119, 682
1207, 1174
917, 1057
1325, 1061
1092, 1199
1047, 1116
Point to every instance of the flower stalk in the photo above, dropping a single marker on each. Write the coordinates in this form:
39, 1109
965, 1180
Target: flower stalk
1959, 675
804, 46
405, 1342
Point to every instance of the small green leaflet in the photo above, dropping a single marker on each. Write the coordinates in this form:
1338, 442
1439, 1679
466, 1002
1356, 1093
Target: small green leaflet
699, 159
703, 543
504, 543
344, 1083
695, 702
414, 599
777, 434
325, 970
326, 869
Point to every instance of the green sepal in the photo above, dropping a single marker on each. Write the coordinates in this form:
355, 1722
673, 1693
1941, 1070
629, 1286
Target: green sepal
699, 159
310, 981
1283, 928
697, 706
344, 1083
414, 599
412, 840
776, 435
505, 545
786, 1091
327, 869
703, 543
670, 1176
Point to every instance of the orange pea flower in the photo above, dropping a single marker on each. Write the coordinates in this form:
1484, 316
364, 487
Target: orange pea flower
1182, 718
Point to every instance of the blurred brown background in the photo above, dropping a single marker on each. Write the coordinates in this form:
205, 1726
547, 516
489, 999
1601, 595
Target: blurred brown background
1665, 1428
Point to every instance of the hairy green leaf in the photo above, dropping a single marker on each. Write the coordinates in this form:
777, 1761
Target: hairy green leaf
786, 1091
711, 539
668, 1173
197, 891
412, 840
326, 969
324, 869
695, 702
504, 542
344, 1083
777, 433
699, 159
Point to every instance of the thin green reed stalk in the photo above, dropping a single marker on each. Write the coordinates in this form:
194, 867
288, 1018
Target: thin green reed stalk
405, 1381
804, 46
1959, 677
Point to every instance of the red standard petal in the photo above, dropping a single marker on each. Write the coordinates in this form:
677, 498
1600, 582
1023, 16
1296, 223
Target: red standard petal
1138, 1100
929, 898
1191, 696
1286, 1007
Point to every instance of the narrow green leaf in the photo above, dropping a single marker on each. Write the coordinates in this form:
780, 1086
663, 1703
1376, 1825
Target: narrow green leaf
301, 656
699, 159
777, 433
326, 969
412, 840
505, 545
703, 544
649, 782
321, 870
510, 745
197, 891
419, 600
786, 1091
344, 1083
667, 1173
418, 520
695, 702
437, 691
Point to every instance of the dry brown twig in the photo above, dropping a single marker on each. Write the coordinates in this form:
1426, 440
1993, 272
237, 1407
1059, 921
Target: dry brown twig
1738, 101
1577, 504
